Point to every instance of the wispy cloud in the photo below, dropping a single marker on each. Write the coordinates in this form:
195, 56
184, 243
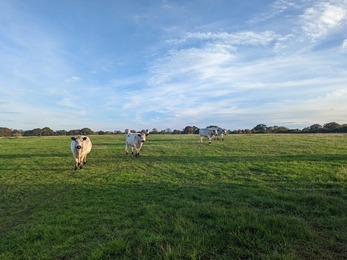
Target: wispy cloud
238, 38
344, 44
276, 9
219, 68
323, 17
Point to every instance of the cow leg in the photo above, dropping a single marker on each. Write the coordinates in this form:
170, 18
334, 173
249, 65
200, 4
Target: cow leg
209, 139
80, 162
85, 159
76, 164
132, 150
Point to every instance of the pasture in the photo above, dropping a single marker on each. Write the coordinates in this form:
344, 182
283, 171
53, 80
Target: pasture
247, 197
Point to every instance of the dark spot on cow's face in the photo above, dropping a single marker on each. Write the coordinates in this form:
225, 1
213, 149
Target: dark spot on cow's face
139, 135
84, 138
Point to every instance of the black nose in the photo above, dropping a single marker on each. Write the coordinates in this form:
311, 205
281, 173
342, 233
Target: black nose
78, 147
143, 141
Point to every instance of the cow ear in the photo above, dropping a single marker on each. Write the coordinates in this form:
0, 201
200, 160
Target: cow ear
147, 134
84, 138
73, 138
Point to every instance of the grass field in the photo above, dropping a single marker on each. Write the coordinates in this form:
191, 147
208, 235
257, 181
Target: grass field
247, 197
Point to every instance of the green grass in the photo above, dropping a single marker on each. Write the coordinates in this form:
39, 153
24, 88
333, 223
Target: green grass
247, 197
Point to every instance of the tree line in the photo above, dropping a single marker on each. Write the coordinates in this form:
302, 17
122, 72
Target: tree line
331, 127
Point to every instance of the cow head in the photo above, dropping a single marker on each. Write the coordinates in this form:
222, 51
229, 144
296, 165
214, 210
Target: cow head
78, 141
142, 137
222, 131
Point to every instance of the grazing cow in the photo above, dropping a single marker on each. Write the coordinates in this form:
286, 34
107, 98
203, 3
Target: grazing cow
220, 132
209, 133
135, 140
80, 147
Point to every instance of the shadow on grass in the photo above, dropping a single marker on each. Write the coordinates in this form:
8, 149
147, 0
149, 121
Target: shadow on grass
218, 158
157, 219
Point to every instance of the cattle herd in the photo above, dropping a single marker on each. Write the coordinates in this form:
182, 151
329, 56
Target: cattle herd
81, 145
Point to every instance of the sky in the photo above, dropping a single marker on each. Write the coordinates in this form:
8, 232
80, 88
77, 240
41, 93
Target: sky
111, 65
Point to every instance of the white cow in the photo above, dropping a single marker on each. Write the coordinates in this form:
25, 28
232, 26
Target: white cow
220, 132
208, 132
135, 140
80, 147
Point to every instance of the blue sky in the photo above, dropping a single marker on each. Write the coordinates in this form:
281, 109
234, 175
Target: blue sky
111, 65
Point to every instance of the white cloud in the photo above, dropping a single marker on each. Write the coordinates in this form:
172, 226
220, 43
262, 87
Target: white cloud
72, 79
276, 9
190, 63
344, 44
239, 38
324, 16
213, 60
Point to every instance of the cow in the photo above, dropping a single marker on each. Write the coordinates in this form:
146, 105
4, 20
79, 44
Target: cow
135, 140
80, 147
209, 133
220, 132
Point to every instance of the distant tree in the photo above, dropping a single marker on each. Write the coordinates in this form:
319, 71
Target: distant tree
168, 131
271, 129
117, 132
154, 131
343, 128
294, 131
60, 132
332, 127
101, 132
176, 131
282, 129
17, 133
46, 131
28, 133
86, 131
260, 128
248, 131
305, 130
195, 130
4, 131
316, 128
188, 130
73, 132
36, 132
